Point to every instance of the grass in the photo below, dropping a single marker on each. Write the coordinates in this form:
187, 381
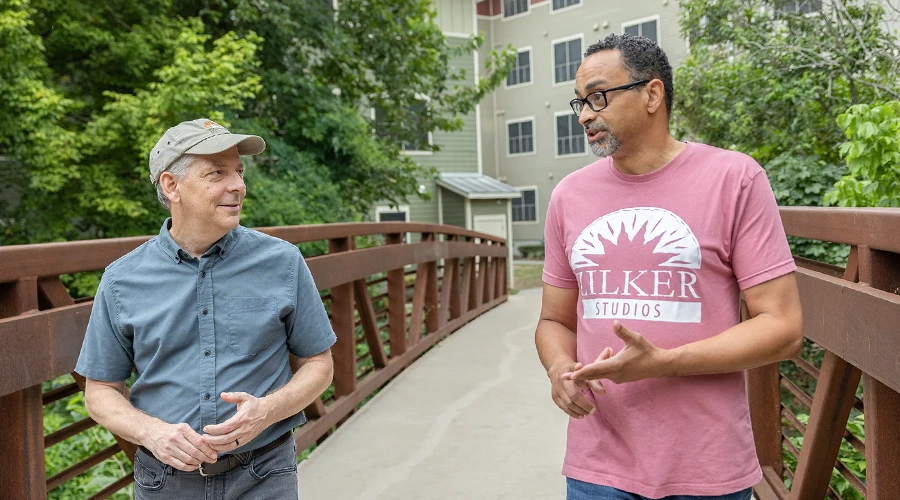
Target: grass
527, 276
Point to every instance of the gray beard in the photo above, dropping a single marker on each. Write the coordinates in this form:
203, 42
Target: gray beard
607, 146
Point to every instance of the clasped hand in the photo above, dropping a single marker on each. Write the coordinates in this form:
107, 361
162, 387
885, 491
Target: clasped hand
185, 449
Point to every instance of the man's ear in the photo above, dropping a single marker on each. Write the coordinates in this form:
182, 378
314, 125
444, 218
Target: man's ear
656, 93
169, 185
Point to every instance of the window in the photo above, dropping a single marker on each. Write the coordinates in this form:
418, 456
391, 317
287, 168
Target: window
392, 214
514, 7
566, 59
521, 70
521, 137
570, 137
806, 7
422, 138
562, 4
524, 208
646, 29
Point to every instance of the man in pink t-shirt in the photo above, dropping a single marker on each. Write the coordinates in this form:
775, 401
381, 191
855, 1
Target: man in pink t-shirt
647, 251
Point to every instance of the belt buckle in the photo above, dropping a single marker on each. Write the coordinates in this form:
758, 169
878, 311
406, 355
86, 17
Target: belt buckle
201, 470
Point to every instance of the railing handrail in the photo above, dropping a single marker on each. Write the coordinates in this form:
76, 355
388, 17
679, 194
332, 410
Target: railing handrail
53, 259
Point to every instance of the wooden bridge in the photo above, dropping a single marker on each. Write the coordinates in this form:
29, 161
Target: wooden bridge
393, 290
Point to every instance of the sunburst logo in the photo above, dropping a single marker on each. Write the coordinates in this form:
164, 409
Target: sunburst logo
657, 241
672, 236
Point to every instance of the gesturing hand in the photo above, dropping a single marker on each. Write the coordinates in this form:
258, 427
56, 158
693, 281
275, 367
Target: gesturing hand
639, 359
251, 419
179, 446
567, 393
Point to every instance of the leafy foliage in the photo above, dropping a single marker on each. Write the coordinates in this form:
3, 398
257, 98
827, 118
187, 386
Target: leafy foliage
88, 91
773, 83
872, 152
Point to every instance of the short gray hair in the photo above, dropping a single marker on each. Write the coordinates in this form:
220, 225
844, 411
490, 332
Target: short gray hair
178, 169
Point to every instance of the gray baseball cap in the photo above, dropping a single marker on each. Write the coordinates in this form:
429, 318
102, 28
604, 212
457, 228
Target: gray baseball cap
199, 137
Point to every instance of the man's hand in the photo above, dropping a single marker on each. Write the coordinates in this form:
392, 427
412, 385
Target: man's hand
567, 393
252, 418
178, 445
639, 359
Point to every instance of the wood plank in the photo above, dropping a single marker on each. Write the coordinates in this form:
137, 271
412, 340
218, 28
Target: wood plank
80, 467
882, 440
465, 287
448, 286
765, 414
335, 269
369, 323
854, 321
853, 226
418, 304
835, 392
22, 476
342, 321
396, 303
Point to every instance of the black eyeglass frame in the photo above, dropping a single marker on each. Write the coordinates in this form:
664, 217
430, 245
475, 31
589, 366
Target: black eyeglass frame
627, 86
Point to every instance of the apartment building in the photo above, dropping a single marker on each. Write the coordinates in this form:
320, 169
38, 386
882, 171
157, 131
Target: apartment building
530, 137
461, 194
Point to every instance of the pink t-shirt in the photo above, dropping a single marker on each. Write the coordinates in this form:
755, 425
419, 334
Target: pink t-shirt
667, 254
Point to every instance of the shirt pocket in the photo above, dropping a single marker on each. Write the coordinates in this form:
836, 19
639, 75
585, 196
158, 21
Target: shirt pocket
252, 324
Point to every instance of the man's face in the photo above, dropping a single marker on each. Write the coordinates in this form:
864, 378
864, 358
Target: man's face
212, 191
601, 71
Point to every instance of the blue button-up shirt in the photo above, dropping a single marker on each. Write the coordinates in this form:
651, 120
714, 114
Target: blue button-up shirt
194, 328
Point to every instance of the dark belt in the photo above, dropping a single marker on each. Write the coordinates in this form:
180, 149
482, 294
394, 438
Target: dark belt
227, 462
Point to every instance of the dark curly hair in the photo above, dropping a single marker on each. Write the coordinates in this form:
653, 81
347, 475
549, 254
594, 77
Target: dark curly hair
643, 59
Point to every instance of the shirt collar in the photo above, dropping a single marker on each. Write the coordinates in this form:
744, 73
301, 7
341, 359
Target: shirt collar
223, 246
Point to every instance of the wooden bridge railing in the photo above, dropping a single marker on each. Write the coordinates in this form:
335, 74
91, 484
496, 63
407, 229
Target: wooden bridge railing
852, 326
388, 304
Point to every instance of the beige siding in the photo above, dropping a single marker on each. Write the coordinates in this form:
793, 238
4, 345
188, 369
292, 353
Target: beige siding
542, 99
456, 16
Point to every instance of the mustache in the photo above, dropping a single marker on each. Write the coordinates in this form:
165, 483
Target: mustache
597, 126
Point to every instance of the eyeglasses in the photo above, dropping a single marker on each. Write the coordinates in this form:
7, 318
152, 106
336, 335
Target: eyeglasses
597, 100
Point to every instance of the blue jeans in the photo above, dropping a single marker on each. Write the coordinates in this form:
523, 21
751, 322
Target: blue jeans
271, 475
580, 490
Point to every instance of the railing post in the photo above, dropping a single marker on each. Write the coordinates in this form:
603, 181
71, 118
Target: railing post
431, 290
765, 410
881, 270
835, 393
396, 303
467, 296
448, 287
22, 413
344, 350
882, 406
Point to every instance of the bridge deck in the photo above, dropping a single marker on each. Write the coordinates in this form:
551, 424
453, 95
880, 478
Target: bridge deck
471, 419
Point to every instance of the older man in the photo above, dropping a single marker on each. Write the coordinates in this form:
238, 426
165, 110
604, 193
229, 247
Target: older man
647, 251
207, 313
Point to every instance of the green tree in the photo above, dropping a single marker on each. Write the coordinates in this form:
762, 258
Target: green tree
88, 91
872, 152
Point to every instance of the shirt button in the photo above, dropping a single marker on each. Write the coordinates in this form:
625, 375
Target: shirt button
206, 396
205, 312
206, 352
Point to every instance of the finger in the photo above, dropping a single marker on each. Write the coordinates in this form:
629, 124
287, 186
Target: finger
235, 397
593, 371
597, 387
180, 465
625, 334
207, 453
580, 404
226, 427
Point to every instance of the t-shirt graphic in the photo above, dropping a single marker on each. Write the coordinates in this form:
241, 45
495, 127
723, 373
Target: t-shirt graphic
662, 289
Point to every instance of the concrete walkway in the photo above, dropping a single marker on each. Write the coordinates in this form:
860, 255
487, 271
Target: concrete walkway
472, 419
